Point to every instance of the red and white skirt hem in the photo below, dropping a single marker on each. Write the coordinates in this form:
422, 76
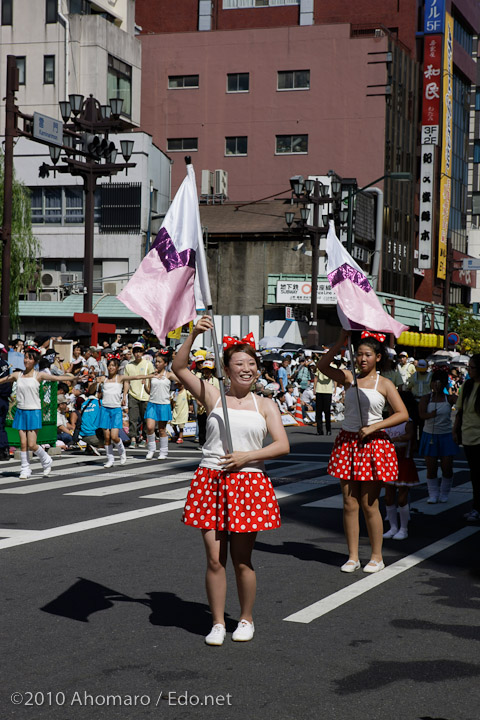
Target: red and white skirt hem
232, 501
370, 460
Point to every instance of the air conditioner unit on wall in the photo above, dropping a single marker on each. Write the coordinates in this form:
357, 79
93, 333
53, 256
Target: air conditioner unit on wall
110, 288
50, 296
69, 279
221, 182
208, 182
50, 278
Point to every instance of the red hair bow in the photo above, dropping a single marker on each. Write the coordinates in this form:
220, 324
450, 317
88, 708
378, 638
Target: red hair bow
247, 340
113, 356
377, 336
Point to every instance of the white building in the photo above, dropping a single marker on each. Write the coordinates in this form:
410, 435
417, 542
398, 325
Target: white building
84, 47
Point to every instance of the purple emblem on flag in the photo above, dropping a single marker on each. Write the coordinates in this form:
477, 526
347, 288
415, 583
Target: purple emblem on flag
347, 272
168, 253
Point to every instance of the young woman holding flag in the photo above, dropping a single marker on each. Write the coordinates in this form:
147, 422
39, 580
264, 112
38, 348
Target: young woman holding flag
230, 497
363, 457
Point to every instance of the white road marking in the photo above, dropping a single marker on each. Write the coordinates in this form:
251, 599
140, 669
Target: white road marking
332, 602
175, 494
35, 536
11, 533
130, 487
121, 470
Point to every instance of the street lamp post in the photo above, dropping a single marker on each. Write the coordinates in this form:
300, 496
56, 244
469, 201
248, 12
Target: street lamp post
89, 154
311, 192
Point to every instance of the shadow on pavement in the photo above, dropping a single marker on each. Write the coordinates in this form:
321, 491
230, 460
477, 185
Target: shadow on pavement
86, 597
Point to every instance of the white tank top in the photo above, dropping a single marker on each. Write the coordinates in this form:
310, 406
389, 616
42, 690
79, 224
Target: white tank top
28, 393
248, 430
112, 394
372, 403
160, 390
442, 422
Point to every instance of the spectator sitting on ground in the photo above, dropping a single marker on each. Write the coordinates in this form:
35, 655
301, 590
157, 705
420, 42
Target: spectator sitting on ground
64, 427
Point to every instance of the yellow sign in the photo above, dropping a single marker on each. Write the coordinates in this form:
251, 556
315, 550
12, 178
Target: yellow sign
446, 170
177, 334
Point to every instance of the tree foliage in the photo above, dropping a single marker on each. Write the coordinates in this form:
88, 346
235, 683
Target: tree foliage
462, 321
25, 248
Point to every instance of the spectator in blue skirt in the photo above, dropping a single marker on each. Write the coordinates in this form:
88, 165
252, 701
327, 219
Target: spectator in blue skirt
28, 416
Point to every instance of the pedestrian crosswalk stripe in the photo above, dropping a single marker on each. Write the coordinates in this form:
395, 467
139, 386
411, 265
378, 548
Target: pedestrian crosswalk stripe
103, 476
130, 487
351, 592
174, 494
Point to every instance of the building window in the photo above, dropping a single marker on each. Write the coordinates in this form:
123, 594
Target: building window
293, 80
121, 205
22, 67
119, 83
49, 69
7, 12
60, 205
476, 151
182, 81
50, 11
236, 145
238, 82
233, 4
289, 144
463, 36
175, 144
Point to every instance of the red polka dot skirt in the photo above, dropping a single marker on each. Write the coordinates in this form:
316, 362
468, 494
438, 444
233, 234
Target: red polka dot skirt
238, 501
372, 460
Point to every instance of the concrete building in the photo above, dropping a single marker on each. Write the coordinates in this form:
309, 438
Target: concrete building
80, 47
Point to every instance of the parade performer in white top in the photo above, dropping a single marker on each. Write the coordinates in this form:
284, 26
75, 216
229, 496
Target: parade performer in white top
363, 457
159, 409
114, 396
230, 492
28, 415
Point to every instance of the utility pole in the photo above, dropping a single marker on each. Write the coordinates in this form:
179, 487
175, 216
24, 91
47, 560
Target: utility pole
10, 133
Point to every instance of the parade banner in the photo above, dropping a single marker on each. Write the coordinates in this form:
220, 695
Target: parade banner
446, 168
162, 288
358, 307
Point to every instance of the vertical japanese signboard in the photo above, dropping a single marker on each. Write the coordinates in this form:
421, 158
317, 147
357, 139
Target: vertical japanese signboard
446, 167
425, 228
434, 17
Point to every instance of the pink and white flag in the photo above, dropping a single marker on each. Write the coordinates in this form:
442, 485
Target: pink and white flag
358, 307
162, 290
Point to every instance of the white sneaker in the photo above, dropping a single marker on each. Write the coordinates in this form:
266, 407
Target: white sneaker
47, 467
162, 457
109, 462
149, 454
216, 636
25, 473
390, 533
244, 631
402, 534
123, 458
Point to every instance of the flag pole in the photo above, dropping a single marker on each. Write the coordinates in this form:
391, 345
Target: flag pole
201, 261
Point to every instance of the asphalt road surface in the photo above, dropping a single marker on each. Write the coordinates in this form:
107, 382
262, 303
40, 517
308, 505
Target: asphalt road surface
104, 610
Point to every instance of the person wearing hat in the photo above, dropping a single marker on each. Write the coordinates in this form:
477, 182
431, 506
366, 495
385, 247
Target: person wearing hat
419, 385
28, 415
138, 396
5, 391
405, 368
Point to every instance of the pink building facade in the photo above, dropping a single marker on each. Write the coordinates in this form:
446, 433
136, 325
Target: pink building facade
266, 104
